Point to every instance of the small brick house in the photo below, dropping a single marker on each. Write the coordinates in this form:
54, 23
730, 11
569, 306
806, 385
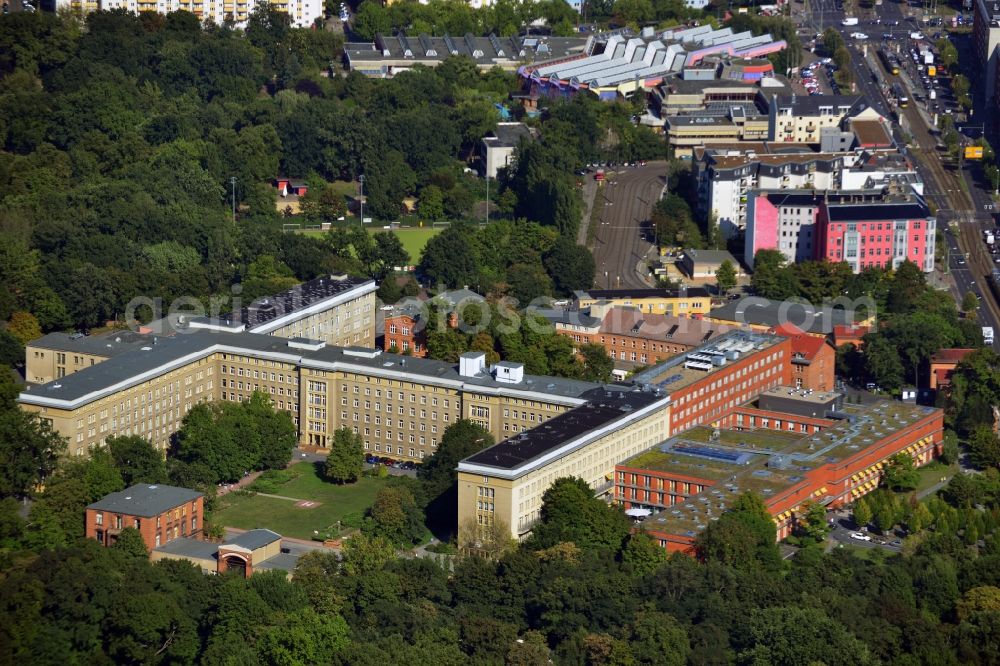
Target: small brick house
160, 513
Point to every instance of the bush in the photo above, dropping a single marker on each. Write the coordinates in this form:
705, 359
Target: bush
353, 520
272, 480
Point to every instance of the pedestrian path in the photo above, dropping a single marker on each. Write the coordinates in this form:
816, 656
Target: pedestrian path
242, 483
281, 497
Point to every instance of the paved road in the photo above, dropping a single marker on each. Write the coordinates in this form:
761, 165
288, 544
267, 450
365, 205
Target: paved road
966, 205
621, 250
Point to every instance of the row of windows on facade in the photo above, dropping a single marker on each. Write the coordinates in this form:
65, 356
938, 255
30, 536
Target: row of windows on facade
404, 345
367, 418
541, 483
730, 378
419, 455
257, 374
136, 421
853, 253
653, 498
657, 483
404, 330
899, 239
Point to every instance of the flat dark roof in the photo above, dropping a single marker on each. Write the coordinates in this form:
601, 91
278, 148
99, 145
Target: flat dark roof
298, 297
605, 406
885, 211
89, 384
146, 500
107, 344
762, 312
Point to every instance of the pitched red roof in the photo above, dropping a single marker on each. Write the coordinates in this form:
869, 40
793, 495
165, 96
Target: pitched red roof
803, 344
950, 355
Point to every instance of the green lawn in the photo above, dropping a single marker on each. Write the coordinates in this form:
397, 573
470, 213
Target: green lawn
415, 238
285, 518
931, 473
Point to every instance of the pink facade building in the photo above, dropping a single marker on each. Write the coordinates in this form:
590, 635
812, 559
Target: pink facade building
882, 235
864, 228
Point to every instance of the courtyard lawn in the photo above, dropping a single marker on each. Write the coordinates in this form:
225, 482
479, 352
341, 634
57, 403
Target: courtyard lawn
287, 519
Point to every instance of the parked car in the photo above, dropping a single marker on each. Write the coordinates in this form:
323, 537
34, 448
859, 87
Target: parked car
858, 536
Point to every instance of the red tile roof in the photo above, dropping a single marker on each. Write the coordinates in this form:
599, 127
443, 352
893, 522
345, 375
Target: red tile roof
802, 343
950, 355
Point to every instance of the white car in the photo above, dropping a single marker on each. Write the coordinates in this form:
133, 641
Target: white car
860, 537
860, 36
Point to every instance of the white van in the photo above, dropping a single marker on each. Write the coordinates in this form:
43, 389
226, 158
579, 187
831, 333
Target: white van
850, 20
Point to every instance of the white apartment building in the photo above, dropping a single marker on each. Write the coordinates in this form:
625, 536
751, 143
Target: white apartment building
303, 13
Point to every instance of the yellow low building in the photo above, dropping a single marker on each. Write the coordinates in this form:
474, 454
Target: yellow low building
680, 302
504, 484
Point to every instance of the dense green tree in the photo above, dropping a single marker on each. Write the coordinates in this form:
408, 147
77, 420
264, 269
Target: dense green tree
862, 513
743, 537
449, 258
725, 277
231, 439
364, 555
137, 460
130, 542
597, 365
984, 447
571, 513
900, 473
29, 451
792, 635
11, 349
570, 266
460, 440
346, 458
643, 553
396, 517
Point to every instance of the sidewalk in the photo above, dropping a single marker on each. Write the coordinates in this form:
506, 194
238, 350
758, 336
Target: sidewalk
589, 193
226, 488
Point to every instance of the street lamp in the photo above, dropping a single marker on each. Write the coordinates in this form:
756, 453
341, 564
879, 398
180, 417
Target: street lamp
361, 182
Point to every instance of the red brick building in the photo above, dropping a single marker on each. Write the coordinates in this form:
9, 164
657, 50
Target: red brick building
849, 334
160, 513
405, 332
943, 364
631, 336
733, 370
813, 359
691, 479
405, 329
